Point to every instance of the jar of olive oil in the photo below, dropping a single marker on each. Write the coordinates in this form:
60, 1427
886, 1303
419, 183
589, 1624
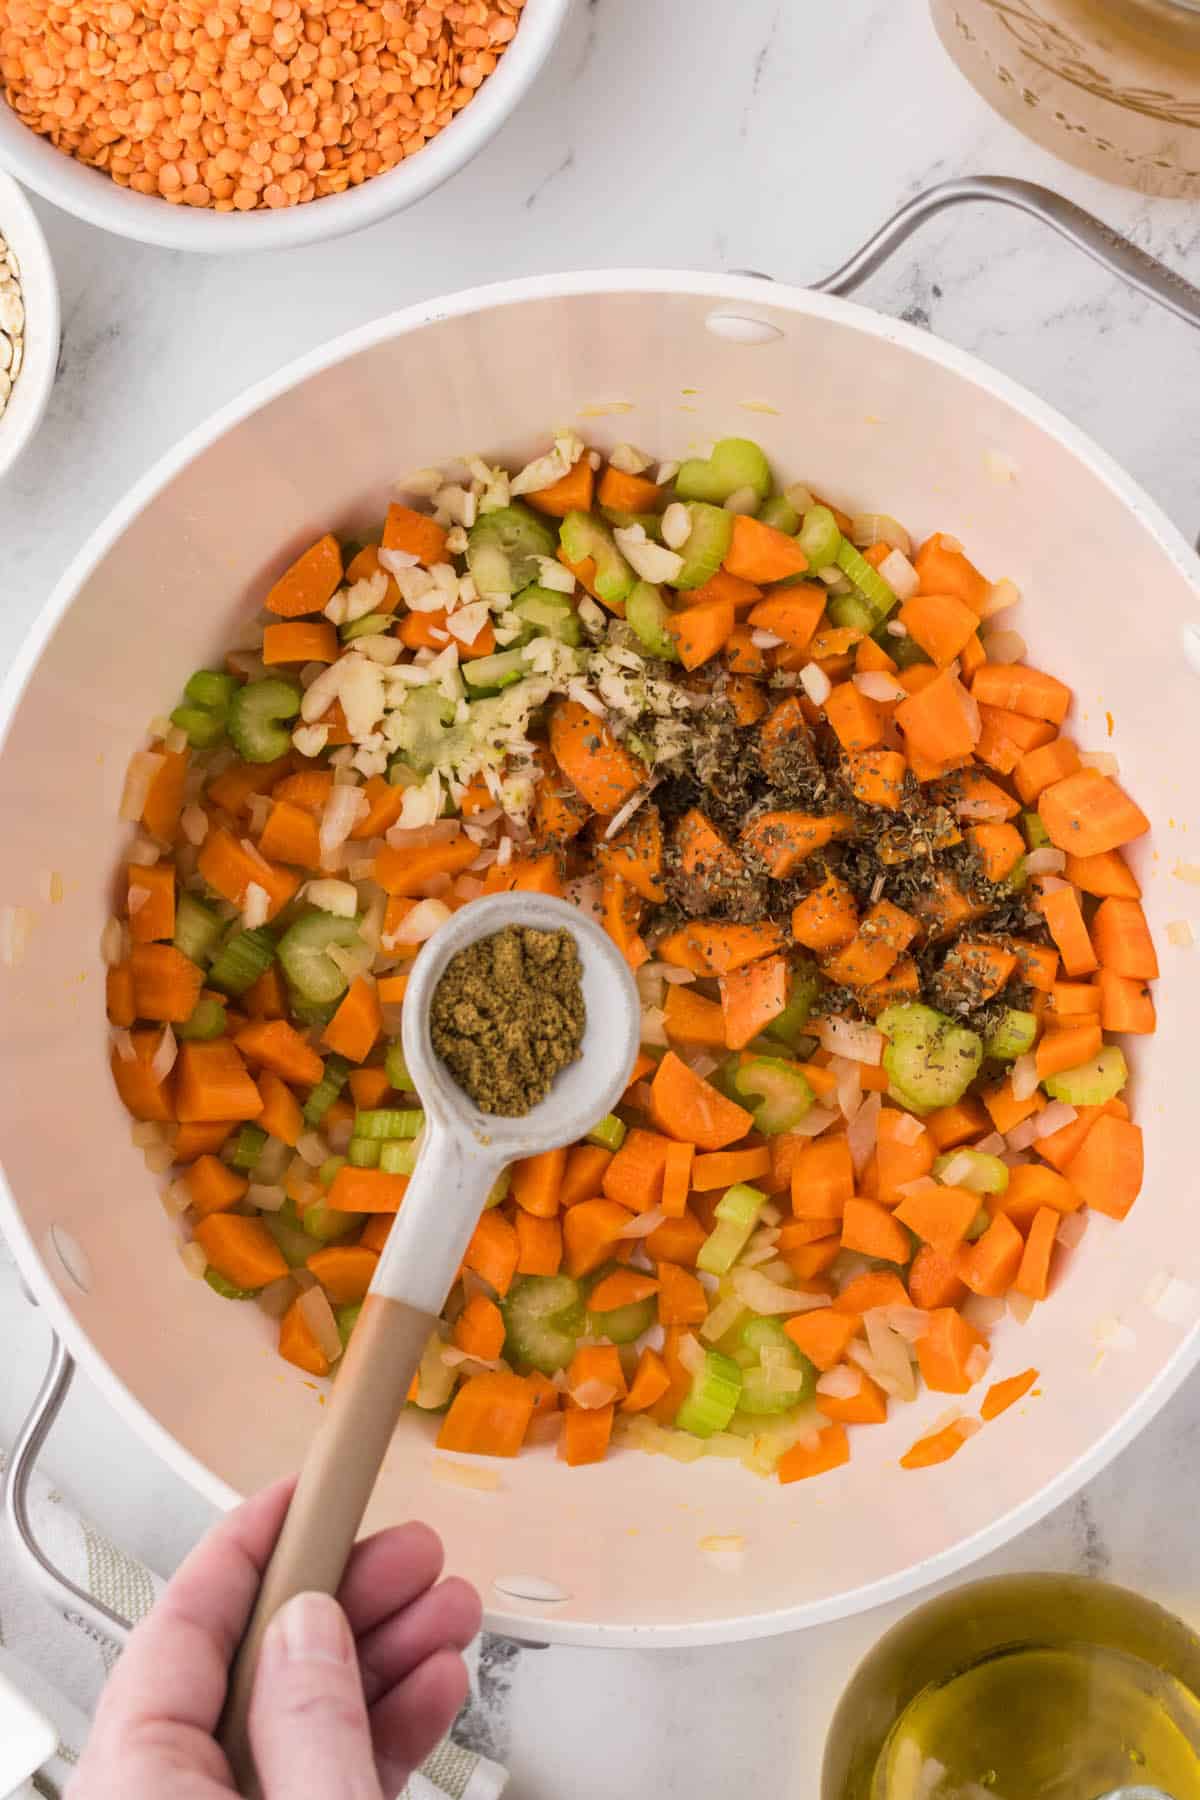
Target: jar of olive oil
1029, 1687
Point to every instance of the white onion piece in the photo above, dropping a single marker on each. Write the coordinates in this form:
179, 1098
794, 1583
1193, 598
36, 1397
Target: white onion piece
863, 1131
958, 1167
1024, 1079
1020, 1307
426, 917
1053, 1118
840, 1382
266, 1196
453, 1358
816, 1120
112, 943
846, 1037
979, 809
591, 1395
868, 529
312, 1148
1046, 861
194, 1260
145, 1134
849, 1086
442, 831
723, 1315
977, 1363
165, 1052
691, 1353
755, 1255
256, 906
876, 684
344, 808
1103, 760
900, 575
1004, 646
1021, 1136
1072, 1228
1000, 594
908, 1129
970, 709
909, 1322
136, 898
895, 1376
815, 683
920, 1184
982, 1311
318, 1315
144, 765
122, 1043
991, 1145
337, 897
701, 1063
768, 1297
277, 1296
643, 1223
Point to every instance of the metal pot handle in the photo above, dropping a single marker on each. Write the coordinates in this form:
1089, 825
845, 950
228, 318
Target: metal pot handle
1091, 235
81, 1608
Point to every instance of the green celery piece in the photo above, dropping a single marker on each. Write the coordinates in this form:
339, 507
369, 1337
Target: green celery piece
240, 961
327, 1173
198, 928
928, 1055
869, 582
296, 1245
248, 1146
713, 1398
984, 1174
491, 674
777, 1091
979, 1224
203, 725
763, 1334
1013, 1036
499, 1189
707, 544
363, 1153
736, 1214
582, 536
851, 610
621, 1324
609, 1134
803, 988
259, 718
398, 1159
503, 547
328, 1223
333, 1079
651, 523
211, 688
820, 538
421, 727
760, 1396
396, 1068
381, 1122
549, 613
346, 1318
735, 463
370, 625
1094, 1082
544, 1317
779, 512
207, 1020
905, 652
648, 615
313, 974
220, 1285
1036, 835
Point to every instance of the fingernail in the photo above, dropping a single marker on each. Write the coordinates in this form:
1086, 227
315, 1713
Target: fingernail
313, 1628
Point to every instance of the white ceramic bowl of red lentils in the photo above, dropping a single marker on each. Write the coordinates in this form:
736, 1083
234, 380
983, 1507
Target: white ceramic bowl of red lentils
236, 125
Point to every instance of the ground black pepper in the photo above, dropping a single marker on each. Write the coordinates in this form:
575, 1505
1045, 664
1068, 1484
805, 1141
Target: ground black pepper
508, 1016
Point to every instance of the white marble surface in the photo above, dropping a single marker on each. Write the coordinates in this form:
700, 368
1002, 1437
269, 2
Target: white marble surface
767, 135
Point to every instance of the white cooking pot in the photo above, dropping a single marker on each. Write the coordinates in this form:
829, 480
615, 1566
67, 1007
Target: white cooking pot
876, 415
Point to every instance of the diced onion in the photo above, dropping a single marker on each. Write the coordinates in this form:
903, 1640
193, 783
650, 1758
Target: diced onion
676, 525
16, 923
908, 1129
896, 628
976, 1365
165, 1052
893, 1371
920, 1184
158, 1158
122, 1043
900, 575
982, 1311
1046, 861
145, 1134
970, 708
453, 1358
144, 766
766, 640
426, 917
112, 943
1021, 1136
991, 1145
863, 1130
336, 897
136, 898
1024, 1079
1052, 885
256, 906
815, 683
193, 822
591, 1395
701, 1063
312, 1148
1004, 646
909, 1322
194, 1260
742, 500
1071, 1230
840, 1382
317, 1314
816, 1120
691, 1353
846, 1037
1180, 934
724, 1314
867, 529
642, 1224
620, 819
176, 1197
142, 852
1170, 1299
769, 1298
1020, 1307
1102, 760
654, 1026
979, 809
393, 561
849, 1085
1053, 1118
266, 1196
876, 684
442, 831
958, 1167
277, 1296
343, 809
1000, 594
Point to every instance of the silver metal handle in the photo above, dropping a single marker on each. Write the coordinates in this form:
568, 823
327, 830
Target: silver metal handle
82, 1608
1091, 235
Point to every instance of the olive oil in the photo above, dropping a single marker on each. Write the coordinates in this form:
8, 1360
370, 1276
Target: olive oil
1045, 1724
1023, 1687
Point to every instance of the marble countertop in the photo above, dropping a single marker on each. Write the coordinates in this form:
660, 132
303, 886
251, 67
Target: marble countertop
768, 136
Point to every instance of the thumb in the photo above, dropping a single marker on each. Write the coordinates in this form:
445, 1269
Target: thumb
308, 1720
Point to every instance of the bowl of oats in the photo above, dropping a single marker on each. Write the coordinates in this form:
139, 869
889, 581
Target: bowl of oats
29, 317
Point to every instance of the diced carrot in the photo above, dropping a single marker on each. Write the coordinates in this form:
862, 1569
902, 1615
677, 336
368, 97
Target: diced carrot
603, 773
760, 553
212, 1187
164, 796
150, 902
1003, 1394
867, 1407
980, 970
583, 1176
938, 1447
725, 1168
1037, 964
744, 698
191, 1141
970, 785
384, 805
807, 1261
281, 1116
1104, 874
1077, 1001
800, 1463
274, 1044
300, 641
374, 1234
722, 586
628, 493
874, 1288
525, 874
478, 1329
688, 1018
572, 492
310, 583
681, 1298
877, 778
415, 533
939, 1215
752, 997
539, 1244
944, 1350
822, 1178
1068, 1047
391, 989
559, 813
676, 1240
857, 721
934, 1281
345, 1271
585, 1435
783, 736
636, 854
700, 632
1033, 1275
943, 907
405, 872
267, 998
494, 1250
291, 835
368, 1087
823, 1335
942, 624
827, 918
1017, 688
230, 868
212, 1082
166, 985
366, 1190
797, 1234
118, 995
649, 1384
1031, 1186
1058, 1147
999, 849
634, 1176
1106, 1170
624, 1287
1121, 939
792, 615
989, 1266
956, 1124
1038, 768
685, 1107
298, 1342
242, 1250
942, 568
900, 1160
782, 840
677, 1178
1064, 921
885, 932
1125, 1004
536, 1181
1087, 814
234, 788
488, 1416
591, 1231
871, 1229
935, 720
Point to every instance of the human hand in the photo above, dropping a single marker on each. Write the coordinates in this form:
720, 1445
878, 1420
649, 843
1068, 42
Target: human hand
348, 1698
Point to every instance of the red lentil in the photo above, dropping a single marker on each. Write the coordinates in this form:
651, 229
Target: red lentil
217, 104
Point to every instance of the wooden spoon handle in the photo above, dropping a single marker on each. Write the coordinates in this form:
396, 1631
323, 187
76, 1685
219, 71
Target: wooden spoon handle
332, 1493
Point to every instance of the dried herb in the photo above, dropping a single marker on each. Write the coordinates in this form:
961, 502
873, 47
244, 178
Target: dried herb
508, 1016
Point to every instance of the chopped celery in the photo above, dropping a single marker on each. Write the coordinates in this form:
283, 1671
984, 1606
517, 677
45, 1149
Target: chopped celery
333, 1079
388, 1122
803, 988
503, 547
1013, 1036
927, 1055
198, 928
651, 523
869, 582
241, 959
767, 1390
647, 614
347, 1318
207, 1019
363, 1153
248, 1146
851, 610
978, 1225
499, 1189
1094, 1082
490, 674
766, 1334
984, 1174
609, 1134
549, 613
397, 1159
820, 537
205, 707
435, 1377
325, 1222
778, 1093
259, 718
779, 512
204, 726
1036, 835
219, 1285
707, 544
712, 1402
543, 1318
302, 948
296, 1245
327, 1173
396, 1068
735, 1214
1018, 876
212, 688
370, 625
583, 536
905, 652
735, 463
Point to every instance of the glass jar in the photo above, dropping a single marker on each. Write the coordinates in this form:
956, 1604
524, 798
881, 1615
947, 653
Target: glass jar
1112, 86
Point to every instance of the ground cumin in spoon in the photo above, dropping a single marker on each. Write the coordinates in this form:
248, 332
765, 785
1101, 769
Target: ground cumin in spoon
508, 1016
